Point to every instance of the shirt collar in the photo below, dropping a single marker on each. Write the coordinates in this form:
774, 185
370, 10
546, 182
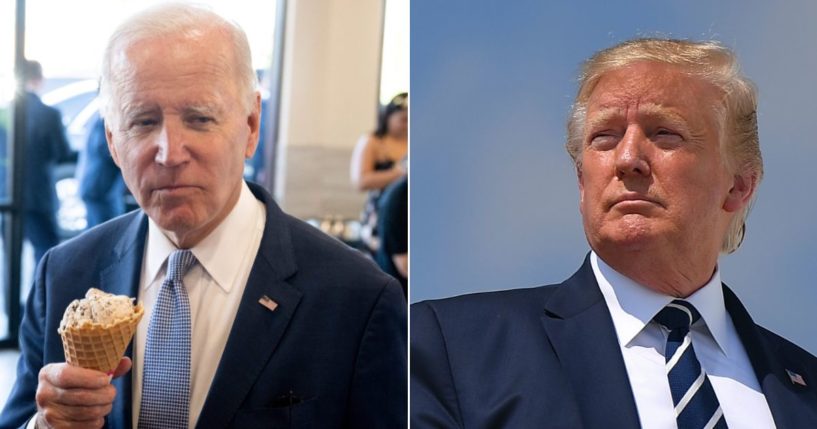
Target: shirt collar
632, 306
216, 253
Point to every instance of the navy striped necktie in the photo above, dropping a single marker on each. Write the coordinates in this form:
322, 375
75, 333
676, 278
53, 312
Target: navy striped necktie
166, 378
696, 405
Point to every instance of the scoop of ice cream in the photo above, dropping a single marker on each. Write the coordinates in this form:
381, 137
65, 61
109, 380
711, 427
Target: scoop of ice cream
97, 307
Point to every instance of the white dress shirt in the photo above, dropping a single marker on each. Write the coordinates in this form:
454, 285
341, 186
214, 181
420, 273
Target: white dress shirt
714, 338
214, 286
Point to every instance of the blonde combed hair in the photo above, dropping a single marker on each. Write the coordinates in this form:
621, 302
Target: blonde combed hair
709, 61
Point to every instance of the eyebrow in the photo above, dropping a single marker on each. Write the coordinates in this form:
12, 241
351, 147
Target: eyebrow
201, 109
138, 109
665, 113
649, 110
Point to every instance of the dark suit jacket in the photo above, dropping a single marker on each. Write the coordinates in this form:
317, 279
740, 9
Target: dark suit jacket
101, 186
46, 146
332, 355
548, 357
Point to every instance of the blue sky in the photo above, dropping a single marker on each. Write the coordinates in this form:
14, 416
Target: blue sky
493, 193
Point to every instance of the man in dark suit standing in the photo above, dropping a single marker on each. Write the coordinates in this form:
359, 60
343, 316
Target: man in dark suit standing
664, 138
46, 146
100, 182
252, 318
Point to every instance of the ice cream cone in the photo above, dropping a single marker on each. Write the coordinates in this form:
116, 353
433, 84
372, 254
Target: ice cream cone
99, 346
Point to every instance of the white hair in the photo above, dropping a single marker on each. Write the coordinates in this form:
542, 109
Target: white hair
176, 18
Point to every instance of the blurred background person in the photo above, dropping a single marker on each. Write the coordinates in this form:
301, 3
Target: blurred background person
392, 223
378, 161
46, 147
100, 182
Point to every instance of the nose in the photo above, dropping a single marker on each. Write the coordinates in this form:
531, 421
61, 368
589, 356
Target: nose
171, 145
631, 154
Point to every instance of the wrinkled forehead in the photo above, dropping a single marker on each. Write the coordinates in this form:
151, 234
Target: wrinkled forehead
646, 80
181, 69
182, 55
654, 89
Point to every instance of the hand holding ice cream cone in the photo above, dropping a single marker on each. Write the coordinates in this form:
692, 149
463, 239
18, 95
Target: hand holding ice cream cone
70, 396
95, 331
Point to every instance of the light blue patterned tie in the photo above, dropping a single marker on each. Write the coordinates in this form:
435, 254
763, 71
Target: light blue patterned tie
696, 405
166, 379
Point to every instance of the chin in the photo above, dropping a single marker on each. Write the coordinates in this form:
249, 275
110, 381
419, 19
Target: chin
174, 220
625, 236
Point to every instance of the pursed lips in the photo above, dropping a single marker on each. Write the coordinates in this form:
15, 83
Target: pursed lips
634, 198
172, 187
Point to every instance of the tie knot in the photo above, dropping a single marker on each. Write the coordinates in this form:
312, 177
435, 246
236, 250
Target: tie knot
179, 263
677, 315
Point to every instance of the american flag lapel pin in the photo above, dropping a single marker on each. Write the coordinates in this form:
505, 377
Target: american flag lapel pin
268, 302
796, 378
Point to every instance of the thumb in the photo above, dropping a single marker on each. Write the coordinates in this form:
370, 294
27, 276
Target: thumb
124, 366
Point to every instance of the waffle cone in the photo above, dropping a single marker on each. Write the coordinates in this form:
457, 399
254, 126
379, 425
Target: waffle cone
97, 346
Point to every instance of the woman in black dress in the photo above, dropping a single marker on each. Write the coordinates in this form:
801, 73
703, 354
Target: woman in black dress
379, 159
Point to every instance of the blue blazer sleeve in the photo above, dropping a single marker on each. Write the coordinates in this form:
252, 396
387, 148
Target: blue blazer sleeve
21, 405
378, 394
100, 173
434, 401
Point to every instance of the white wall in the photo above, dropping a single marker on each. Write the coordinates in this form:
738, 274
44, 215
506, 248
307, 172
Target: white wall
329, 98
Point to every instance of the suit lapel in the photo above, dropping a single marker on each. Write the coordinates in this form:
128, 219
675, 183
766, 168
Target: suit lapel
581, 331
121, 277
256, 330
791, 405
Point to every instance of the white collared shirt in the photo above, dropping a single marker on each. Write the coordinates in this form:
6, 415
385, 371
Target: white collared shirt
214, 286
714, 338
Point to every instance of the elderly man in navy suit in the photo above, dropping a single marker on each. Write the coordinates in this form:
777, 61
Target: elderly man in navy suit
664, 138
252, 318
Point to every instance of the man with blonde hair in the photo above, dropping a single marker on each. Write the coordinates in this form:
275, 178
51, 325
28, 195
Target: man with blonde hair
252, 318
663, 134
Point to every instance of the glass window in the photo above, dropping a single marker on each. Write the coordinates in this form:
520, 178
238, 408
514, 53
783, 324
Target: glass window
7, 88
394, 68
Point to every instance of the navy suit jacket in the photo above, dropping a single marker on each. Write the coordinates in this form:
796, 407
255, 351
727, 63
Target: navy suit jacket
332, 355
101, 186
549, 357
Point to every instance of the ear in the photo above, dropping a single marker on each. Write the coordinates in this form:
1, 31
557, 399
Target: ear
254, 123
580, 180
111, 146
740, 194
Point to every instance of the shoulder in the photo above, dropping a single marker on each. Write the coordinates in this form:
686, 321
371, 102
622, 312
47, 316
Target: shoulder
791, 364
94, 244
502, 300
368, 142
43, 110
324, 260
779, 346
481, 343
49, 117
757, 337
488, 310
53, 111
